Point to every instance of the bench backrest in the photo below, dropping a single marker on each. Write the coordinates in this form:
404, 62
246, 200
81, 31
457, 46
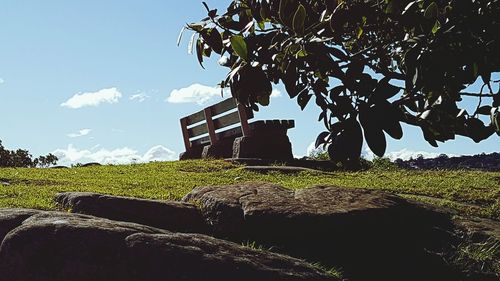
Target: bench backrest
212, 120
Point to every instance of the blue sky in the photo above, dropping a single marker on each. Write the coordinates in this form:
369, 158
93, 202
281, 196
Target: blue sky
91, 80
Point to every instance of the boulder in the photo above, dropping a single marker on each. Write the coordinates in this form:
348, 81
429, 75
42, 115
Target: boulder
371, 235
200, 257
53, 246
91, 164
171, 215
280, 169
12, 218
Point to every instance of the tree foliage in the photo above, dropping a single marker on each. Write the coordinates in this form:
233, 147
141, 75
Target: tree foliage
368, 64
22, 158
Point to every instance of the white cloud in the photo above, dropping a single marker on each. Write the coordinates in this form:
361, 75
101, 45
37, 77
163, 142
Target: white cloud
2, 81
139, 97
111, 95
196, 93
276, 93
404, 154
80, 133
159, 153
123, 155
201, 94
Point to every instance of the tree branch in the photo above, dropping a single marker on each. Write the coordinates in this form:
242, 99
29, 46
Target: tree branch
478, 95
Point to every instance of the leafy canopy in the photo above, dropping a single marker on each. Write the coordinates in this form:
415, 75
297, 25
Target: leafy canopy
368, 64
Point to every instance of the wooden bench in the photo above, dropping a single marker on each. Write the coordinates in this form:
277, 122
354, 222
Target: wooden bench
223, 131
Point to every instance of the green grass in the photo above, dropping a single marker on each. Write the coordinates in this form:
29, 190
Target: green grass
469, 192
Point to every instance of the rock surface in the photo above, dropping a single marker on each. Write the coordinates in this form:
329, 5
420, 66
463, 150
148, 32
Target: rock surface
280, 169
12, 218
53, 246
174, 216
384, 235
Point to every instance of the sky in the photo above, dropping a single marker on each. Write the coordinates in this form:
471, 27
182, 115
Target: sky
104, 81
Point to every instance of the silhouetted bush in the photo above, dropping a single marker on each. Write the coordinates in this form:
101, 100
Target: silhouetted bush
23, 159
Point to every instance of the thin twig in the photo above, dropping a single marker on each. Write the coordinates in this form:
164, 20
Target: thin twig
480, 99
476, 95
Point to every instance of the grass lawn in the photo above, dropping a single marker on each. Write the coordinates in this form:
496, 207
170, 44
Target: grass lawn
469, 192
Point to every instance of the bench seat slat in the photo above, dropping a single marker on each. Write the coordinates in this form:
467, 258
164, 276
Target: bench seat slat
227, 105
227, 120
195, 118
198, 130
219, 123
223, 106
231, 133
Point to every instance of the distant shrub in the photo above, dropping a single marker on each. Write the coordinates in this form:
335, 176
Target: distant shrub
22, 159
318, 154
383, 163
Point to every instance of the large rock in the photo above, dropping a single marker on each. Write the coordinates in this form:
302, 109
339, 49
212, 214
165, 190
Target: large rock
174, 216
12, 218
52, 246
370, 234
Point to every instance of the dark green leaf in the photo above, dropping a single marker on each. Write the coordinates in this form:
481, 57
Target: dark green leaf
287, 9
214, 39
239, 46
359, 32
354, 136
384, 90
321, 139
263, 100
432, 11
303, 99
299, 20
495, 121
486, 76
436, 27
428, 136
389, 116
265, 12
199, 51
496, 100
337, 21
348, 143
262, 25
336, 91
374, 135
322, 115
476, 129
484, 110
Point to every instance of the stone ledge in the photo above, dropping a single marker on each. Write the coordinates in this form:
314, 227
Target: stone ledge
171, 215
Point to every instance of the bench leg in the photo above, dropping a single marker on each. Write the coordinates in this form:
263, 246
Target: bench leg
193, 153
223, 149
270, 147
